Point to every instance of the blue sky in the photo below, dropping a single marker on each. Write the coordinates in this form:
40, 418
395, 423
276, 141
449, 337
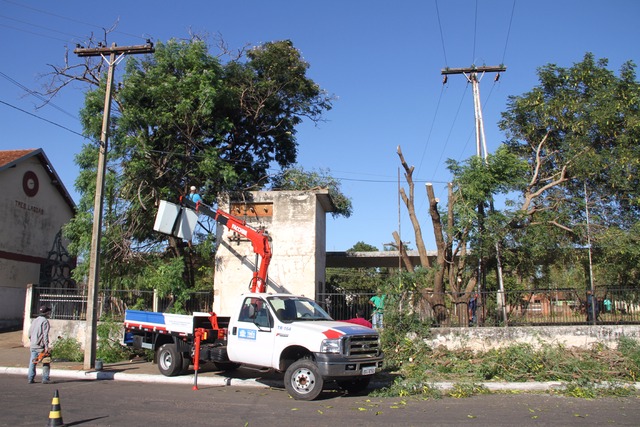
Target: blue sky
381, 59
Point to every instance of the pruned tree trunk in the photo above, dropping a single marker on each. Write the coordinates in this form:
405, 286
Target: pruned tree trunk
403, 253
450, 261
409, 202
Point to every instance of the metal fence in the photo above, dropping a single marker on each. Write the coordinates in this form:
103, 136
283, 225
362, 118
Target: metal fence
72, 304
522, 308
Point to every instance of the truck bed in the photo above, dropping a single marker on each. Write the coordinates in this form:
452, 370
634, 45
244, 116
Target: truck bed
169, 323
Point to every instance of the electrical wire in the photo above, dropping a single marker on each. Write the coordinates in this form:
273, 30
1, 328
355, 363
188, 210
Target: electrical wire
446, 143
46, 12
513, 9
37, 95
475, 33
433, 122
41, 27
444, 52
43, 119
33, 33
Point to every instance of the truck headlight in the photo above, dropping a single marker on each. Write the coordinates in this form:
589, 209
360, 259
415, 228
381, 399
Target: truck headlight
330, 346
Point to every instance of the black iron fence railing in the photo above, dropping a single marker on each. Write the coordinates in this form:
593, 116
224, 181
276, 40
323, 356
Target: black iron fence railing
517, 308
72, 305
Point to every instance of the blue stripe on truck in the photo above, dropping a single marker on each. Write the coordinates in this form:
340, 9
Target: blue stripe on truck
144, 317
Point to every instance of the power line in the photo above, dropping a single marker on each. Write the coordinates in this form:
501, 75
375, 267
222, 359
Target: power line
475, 34
40, 26
37, 95
433, 122
43, 119
444, 52
46, 12
455, 118
513, 9
34, 33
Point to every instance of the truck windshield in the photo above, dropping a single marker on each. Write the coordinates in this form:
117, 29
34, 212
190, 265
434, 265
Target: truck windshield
290, 308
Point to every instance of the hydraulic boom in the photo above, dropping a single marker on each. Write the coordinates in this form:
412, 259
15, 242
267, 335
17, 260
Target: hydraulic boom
259, 240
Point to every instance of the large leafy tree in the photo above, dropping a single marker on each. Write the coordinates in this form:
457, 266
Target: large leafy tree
296, 178
577, 130
184, 117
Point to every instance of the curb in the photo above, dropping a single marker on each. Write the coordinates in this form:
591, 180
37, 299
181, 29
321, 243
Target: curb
145, 378
239, 382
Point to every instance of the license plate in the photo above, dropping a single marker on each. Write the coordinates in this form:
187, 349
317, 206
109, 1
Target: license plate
369, 370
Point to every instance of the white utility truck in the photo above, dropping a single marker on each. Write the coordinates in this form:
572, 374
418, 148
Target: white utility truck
282, 332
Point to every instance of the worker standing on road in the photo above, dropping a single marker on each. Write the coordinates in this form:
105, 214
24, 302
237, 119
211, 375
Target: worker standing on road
193, 195
377, 301
39, 344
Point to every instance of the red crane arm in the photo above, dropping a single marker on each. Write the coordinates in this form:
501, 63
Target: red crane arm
258, 238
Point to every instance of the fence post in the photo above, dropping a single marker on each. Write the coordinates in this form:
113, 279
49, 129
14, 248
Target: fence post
155, 300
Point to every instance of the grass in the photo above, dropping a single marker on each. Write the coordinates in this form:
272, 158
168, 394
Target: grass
587, 373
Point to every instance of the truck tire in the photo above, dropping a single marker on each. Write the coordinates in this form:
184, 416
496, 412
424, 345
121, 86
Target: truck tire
169, 360
303, 380
355, 385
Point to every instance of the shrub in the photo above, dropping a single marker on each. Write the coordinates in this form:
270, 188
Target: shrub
67, 349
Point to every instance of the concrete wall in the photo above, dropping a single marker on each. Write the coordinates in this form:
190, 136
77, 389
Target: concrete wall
59, 329
32, 212
297, 226
482, 339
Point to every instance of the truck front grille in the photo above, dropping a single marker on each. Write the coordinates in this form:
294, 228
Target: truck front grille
362, 345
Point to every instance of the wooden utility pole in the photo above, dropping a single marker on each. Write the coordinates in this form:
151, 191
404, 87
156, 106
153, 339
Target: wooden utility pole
115, 55
481, 151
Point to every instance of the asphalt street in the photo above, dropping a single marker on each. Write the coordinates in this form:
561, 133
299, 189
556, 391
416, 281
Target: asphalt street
115, 403
133, 393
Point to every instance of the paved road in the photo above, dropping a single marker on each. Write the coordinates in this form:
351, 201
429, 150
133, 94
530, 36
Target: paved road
116, 403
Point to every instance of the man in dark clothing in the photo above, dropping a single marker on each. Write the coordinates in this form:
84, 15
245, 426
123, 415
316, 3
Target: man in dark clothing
592, 307
39, 343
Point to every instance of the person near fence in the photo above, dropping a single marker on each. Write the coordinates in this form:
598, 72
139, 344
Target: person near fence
473, 308
377, 301
39, 346
359, 319
592, 307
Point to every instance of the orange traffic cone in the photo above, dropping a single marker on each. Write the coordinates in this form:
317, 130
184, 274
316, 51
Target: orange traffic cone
55, 415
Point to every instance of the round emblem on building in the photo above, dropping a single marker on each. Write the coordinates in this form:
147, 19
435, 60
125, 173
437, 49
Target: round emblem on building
30, 183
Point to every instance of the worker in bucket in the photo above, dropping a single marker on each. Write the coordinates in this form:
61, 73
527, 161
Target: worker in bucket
193, 195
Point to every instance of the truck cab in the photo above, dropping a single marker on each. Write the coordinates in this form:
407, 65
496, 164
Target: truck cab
294, 335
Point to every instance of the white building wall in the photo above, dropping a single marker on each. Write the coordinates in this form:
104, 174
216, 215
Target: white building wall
28, 228
298, 241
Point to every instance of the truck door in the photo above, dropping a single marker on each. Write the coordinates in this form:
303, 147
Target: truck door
251, 337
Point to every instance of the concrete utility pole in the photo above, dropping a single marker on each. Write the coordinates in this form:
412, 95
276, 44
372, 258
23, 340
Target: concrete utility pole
115, 55
481, 151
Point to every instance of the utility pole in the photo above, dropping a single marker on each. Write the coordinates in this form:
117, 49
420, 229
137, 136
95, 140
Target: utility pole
481, 151
115, 56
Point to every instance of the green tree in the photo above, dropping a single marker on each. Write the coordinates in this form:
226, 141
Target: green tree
578, 129
186, 118
297, 178
363, 278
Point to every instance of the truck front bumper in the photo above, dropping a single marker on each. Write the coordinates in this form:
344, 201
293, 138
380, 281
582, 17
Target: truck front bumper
333, 366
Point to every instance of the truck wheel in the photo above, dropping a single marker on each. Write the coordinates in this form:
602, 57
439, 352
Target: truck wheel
169, 360
303, 380
355, 385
